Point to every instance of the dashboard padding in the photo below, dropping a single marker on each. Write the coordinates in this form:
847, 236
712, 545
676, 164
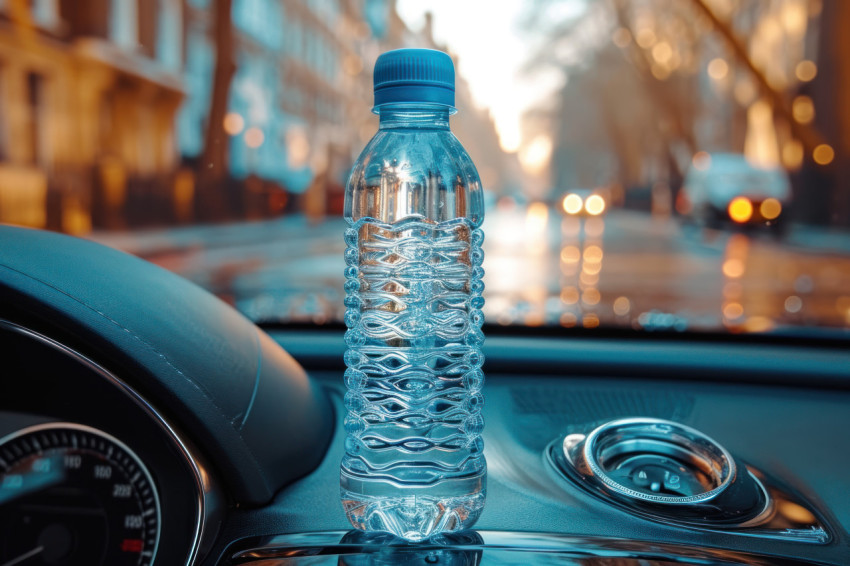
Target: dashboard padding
260, 420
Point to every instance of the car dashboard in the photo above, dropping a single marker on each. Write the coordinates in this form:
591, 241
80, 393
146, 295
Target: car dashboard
143, 421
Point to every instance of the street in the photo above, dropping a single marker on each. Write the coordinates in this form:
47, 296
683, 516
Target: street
625, 269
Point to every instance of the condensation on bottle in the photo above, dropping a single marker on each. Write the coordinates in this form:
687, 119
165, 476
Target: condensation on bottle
413, 463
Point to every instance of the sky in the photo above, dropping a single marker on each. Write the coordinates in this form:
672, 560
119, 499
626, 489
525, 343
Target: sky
492, 50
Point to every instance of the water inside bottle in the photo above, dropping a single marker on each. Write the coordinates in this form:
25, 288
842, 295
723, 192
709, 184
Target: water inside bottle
414, 463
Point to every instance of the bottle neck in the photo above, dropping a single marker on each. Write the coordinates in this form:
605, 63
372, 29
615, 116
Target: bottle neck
419, 116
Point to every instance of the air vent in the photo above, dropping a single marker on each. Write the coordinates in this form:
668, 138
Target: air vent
565, 410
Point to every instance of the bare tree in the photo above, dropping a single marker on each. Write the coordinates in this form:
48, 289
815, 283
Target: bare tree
675, 99
627, 84
214, 158
807, 134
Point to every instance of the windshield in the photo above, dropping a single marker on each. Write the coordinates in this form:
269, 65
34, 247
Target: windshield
647, 164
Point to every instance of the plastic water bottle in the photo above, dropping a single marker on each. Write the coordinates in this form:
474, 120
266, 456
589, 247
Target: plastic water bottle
413, 463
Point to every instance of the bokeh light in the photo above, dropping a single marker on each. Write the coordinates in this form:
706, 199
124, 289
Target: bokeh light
770, 209
718, 68
591, 297
594, 205
792, 154
660, 72
740, 209
793, 304
233, 123
745, 91
622, 306
758, 324
588, 278
733, 311
570, 254
593, 253
254, 137
568, 320
662, 52
823, 154
702, 161
733, 268
803, 109
591, 267
594, 227
645, 38
569, 295
806, 70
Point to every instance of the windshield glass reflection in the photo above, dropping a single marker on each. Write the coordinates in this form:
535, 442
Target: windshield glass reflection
646, 165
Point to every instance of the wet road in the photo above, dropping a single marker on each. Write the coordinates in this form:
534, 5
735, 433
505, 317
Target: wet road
628, 269
624, 269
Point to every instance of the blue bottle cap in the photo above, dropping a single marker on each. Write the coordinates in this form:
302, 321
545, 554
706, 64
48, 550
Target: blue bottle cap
414, 75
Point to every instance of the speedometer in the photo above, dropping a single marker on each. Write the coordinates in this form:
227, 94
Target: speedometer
71, 494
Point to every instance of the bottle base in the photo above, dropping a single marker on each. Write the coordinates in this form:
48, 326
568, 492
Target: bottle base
414, 517
414, 514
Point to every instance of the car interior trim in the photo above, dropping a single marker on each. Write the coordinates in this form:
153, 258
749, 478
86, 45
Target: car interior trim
666, 357
285, 549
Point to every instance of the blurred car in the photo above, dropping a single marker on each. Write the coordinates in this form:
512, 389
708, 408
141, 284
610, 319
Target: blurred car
724, 189
585, 202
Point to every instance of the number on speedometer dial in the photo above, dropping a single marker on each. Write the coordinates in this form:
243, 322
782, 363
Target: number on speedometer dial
71, 494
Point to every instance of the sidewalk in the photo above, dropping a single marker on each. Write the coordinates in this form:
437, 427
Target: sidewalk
157, 241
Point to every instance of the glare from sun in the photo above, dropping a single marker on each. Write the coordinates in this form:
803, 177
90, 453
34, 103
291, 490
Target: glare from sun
510, 138
534, 157
536, 217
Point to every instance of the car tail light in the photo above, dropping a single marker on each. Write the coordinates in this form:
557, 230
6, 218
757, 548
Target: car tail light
740, 210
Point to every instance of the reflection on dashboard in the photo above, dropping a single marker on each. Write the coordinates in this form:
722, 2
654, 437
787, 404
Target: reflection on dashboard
479, 548
71, 494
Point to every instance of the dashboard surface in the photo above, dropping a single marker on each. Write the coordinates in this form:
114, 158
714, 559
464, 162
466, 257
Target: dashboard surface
794, 433
243, 444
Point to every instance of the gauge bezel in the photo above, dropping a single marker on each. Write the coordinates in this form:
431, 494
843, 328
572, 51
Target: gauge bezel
207, 496
64, 425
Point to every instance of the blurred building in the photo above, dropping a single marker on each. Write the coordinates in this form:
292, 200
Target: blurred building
105, 107
298, 107
829, 181
89, 92
300, 81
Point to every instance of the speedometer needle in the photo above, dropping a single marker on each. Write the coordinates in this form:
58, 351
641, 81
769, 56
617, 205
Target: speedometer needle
25, 556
